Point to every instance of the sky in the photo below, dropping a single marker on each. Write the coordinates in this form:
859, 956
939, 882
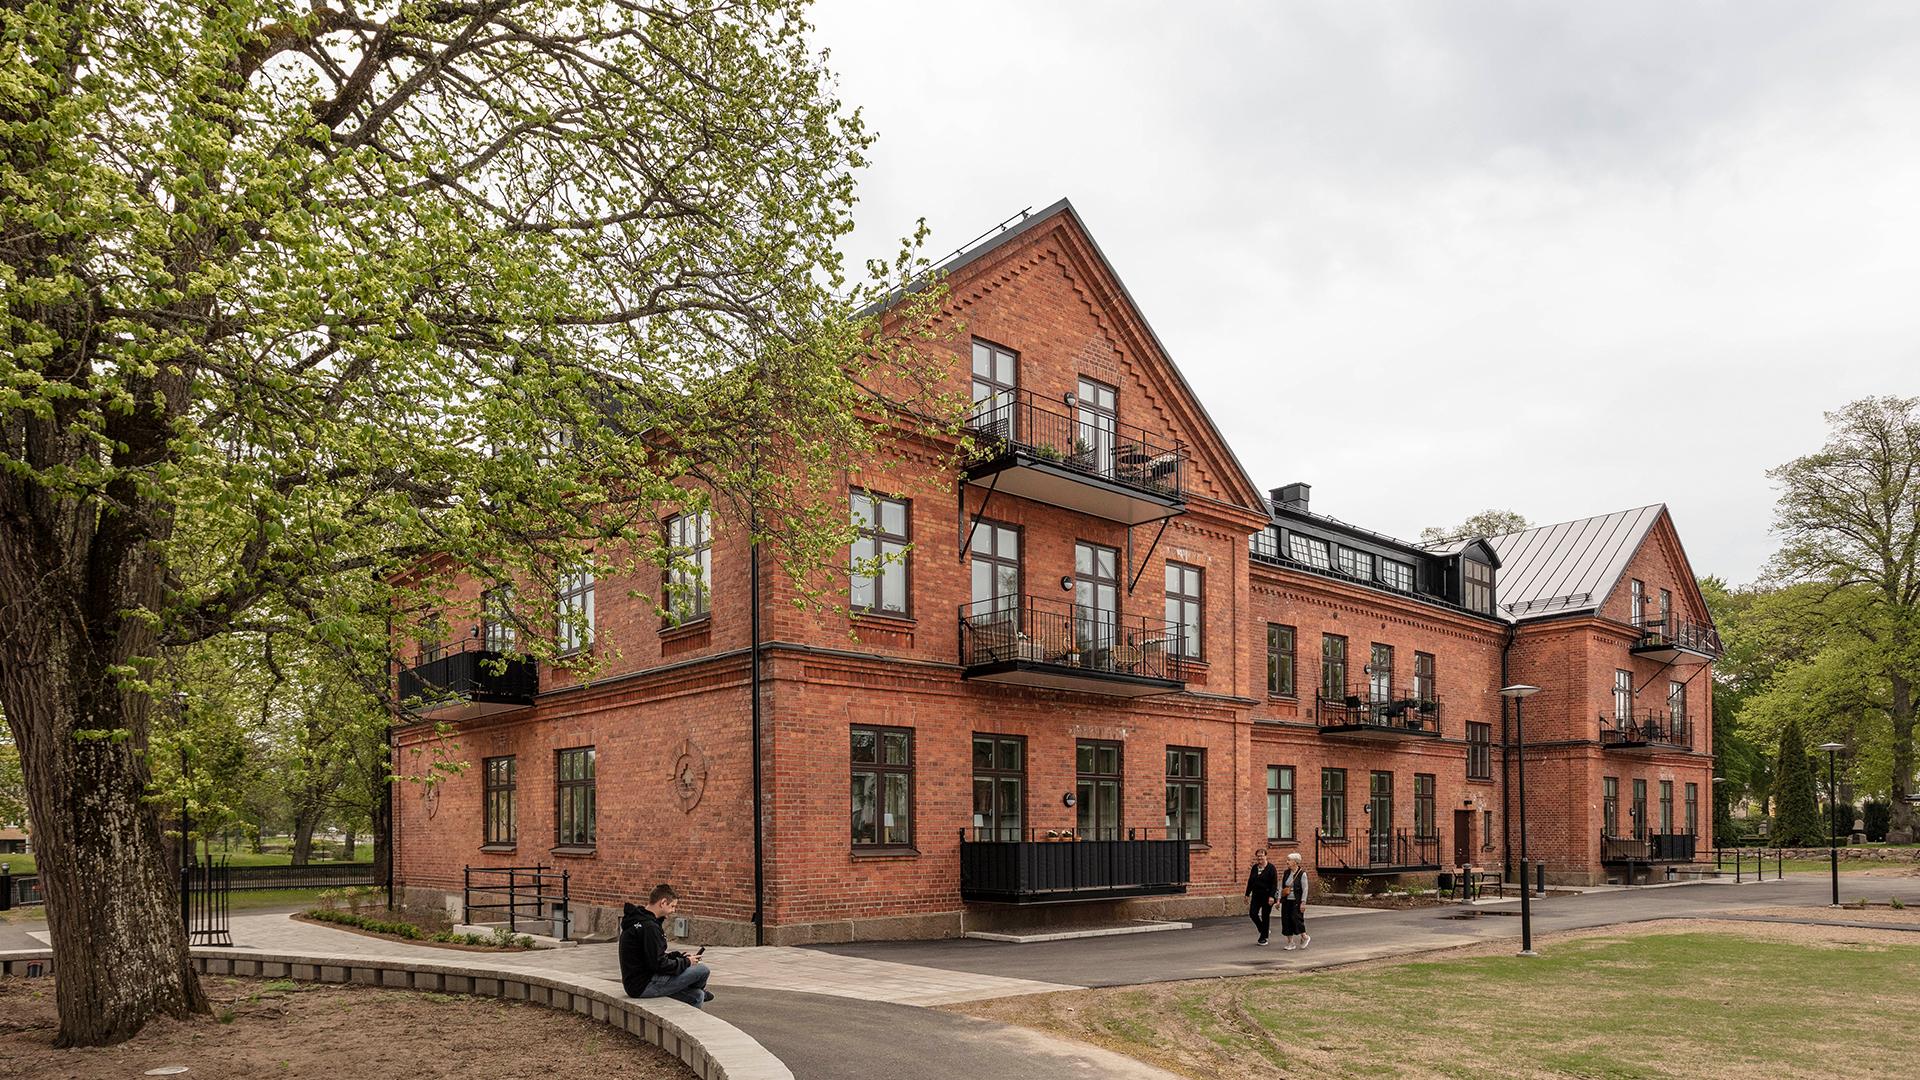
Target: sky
1562, 258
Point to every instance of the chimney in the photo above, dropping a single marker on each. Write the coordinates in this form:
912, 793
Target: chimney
1292, 497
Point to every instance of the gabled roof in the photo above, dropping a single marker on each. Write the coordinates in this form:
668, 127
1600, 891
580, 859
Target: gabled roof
1568, 567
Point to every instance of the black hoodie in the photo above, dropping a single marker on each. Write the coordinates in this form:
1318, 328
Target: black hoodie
643, 950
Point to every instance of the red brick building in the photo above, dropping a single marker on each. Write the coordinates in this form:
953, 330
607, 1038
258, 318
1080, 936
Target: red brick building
1107, 668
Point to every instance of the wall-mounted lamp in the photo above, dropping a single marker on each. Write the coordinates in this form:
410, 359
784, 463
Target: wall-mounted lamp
1066, 582
1068, 799
1069, 398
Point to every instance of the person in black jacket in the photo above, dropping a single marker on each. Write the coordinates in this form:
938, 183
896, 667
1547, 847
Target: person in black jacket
1262, 886
647, 969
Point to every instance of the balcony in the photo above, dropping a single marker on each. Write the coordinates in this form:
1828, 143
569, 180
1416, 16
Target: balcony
1045, 453
1376, 851
1360, 711
1647, 729
1065, 869
463, 680
1671, 641
1653, 848
1058, 645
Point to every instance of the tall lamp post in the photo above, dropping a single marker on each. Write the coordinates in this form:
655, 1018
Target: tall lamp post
1833, 819
1518, 693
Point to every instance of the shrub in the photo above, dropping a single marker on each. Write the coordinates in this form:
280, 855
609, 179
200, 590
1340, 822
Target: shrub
1897, 904
1878, 816
1797, 815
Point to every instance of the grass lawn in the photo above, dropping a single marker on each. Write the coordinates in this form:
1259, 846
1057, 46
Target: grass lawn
239, 902
1724, 1000
24, 864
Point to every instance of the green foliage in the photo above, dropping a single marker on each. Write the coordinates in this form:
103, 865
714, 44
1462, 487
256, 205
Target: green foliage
1796, 821
1484, 523
1875, 816
13, 784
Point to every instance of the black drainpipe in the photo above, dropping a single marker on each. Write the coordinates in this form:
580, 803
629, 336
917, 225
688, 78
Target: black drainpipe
1506, 764
753, 680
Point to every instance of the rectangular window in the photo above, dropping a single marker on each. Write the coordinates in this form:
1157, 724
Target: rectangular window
1610, 805
1424, 818
996, 568
1333, 802
1310, 550
497, 630
575, 629
1666, 806
1476, 586
1097, 418
1265, 544
690, 571
1333, 667
1693, 809
1380, 675
1186, 793
1279, 660
574, 792
1622, 696
1677, 708
1380, 817
1396, 575
999, 787
996, 375
1425, 677
1096, 596
880, 554
882, 761
1279, 802
1186, 605
1353, 563
1639, 602
1479, 750
1639, 810
502, 824
1666, 610
1097, 788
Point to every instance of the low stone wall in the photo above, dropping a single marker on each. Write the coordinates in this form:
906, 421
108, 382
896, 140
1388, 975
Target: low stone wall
711, 1047
1857, 854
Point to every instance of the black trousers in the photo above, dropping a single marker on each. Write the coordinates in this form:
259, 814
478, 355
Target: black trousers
1293, 921
1261, 913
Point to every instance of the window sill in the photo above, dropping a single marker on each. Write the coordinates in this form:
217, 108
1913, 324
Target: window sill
1284, 699
886, 853
884, 620
500, 847
574, 852
689, 628
1487, 780
1282, 842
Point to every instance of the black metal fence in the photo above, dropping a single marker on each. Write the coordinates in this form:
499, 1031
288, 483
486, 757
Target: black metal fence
1647, 727
1750, 863
1039, 630
465, 668
1095, 445
204, 889
310, 876
1396, 709
1065, 867
1376, 850
1673, 633
517, 894
19, 890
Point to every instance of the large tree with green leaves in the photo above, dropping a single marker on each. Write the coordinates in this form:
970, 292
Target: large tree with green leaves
1796, 814
292, 296
1849, 518
1484, 523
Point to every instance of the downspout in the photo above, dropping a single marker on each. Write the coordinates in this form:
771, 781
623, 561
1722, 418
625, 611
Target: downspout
1506, 763
753, 680
387, 788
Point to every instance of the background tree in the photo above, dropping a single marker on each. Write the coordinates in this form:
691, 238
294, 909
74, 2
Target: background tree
13, 785
1484, 523
1796, 820
293, 297
1849, 519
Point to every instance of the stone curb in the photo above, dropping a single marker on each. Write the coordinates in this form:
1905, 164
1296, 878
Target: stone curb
711, 1047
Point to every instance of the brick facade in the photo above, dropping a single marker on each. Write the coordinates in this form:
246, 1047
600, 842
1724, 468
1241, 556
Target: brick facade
664, 697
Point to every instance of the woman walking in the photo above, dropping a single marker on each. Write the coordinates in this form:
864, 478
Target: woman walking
1293, 904
1262, 885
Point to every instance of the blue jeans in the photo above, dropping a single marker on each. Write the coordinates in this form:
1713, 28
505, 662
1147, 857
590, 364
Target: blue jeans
689, 986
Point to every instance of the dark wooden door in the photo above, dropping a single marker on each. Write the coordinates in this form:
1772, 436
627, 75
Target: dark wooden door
1463, 838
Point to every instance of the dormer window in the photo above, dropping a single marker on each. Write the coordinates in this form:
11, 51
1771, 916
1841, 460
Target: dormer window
1396, 575
1355, 564
1265, 544
1476, 586
1309, 550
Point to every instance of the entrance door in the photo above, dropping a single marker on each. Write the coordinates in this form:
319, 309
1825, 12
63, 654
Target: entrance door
1463, 838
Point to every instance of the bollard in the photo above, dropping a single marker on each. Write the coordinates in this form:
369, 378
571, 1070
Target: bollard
6, 887
1540, 878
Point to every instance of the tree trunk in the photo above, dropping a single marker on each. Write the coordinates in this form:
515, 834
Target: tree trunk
112, 906
302, 839
346, 845
381, 830
1901, 827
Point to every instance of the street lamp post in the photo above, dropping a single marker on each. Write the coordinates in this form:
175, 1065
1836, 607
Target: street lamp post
1520, 692
1833, 819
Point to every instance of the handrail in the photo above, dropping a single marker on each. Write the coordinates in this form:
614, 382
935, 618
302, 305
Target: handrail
1678, 633
1647, 726
1105, 448
1400, 709
1366, 849
525, 887
1061, 633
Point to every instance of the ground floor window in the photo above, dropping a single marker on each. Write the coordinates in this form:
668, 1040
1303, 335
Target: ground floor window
574, 789
999, 786
1639, 810
1666, 806
1424, 825
1486, 830
1380, 816
1097, 788
882, 761
1279, 802
1693, 809
1333, 802
498, 803
1186, 793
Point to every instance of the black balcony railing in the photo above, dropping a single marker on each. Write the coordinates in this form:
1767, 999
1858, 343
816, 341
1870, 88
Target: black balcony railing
463, 673
1370, 710
1646, 728
1654, 847
1376, 851
1064, 868
1097, 446
1673, 635
1036, 632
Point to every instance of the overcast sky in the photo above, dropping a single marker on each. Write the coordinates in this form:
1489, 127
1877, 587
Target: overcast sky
1433, 258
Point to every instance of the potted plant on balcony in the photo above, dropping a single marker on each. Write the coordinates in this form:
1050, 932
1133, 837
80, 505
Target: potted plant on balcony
1048, 451
1082, 456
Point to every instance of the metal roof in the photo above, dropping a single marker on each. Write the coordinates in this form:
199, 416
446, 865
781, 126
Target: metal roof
1571, 566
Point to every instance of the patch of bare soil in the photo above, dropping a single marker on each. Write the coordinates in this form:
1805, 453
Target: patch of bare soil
309, 1031
1164, 1025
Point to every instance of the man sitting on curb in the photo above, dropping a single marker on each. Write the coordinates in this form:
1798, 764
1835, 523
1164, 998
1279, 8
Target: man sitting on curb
647, 969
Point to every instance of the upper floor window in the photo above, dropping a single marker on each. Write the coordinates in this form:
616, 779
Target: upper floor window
1097, 420
1425, 677
1333, 667
1266, 542
1476, 586
1380, 675
1280, 660
1639, 601
1185, 606
996, 375
1479, 750
1623, 696
996, 568
1396, 575
1310, 550
575, 629
497, 633
690, 574
1677, 706
1354, 563
1666, 609
880, 554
